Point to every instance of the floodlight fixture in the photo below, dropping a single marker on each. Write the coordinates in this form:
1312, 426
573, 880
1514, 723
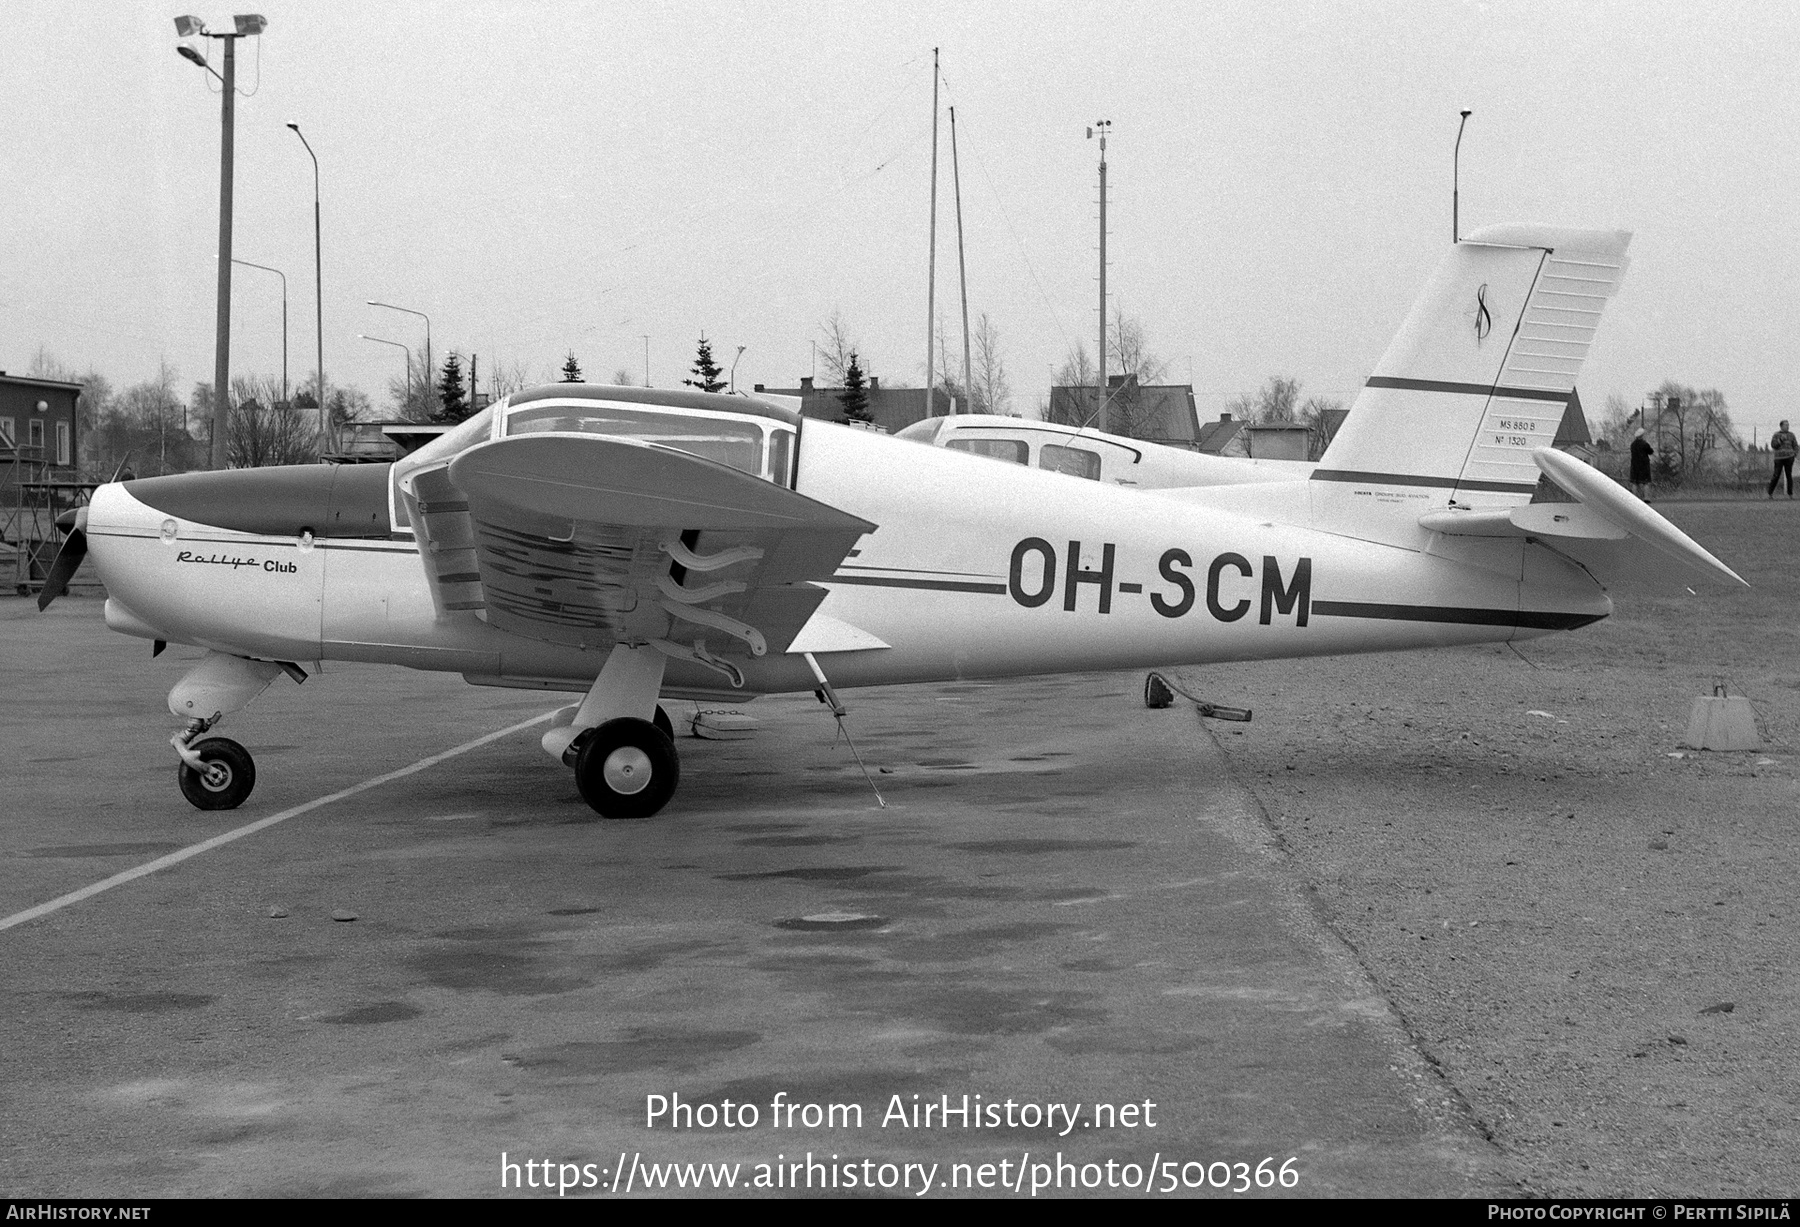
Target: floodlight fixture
189, 27
249, 24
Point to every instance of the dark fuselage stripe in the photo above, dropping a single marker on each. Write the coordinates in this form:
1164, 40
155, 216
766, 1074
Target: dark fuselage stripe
935, 585
1415, 479
1466, 389
1528, 618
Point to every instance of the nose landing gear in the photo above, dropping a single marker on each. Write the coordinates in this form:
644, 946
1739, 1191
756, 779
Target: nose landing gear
224, 777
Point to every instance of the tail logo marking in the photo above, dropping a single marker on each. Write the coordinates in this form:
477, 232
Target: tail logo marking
1484, 321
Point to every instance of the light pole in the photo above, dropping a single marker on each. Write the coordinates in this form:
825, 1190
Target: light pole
646, 360
265, 268
1102, 126
408, 350
734, 362
318, 277
428, 367
244, 26
1456, 181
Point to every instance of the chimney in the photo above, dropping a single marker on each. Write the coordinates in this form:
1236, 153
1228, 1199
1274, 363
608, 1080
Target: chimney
806, 384
1224, 417
874, 383
759, 387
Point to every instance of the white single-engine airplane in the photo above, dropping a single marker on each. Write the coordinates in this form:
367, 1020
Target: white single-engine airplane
638, 543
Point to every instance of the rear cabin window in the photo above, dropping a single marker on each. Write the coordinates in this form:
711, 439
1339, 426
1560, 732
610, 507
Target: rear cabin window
1013, 451
1075, 461
734, 443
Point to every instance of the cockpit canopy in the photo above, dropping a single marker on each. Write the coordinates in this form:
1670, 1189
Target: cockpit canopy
744, 433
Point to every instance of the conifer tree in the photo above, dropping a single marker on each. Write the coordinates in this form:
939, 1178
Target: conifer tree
571, 369
855, 396
707, 370
452, 405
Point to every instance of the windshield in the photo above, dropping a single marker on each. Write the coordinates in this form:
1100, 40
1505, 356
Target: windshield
728, 441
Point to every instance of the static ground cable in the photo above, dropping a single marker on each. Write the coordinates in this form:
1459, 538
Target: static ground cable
829, 696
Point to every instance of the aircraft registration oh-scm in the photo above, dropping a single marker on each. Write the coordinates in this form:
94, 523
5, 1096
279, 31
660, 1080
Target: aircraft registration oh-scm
636, 544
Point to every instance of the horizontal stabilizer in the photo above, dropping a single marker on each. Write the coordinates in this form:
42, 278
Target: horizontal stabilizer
1605, 514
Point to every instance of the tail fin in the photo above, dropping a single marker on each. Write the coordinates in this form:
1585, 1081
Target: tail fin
1482, 371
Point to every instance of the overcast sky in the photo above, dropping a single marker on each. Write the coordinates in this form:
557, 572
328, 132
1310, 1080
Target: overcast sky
546, 177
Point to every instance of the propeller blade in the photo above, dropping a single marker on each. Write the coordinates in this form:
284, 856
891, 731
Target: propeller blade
68, 560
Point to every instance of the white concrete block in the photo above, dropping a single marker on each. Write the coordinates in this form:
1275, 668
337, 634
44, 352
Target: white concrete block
1722, 722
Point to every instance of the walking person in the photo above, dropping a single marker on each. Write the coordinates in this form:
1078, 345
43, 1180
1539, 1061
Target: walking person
1784, 445
1641, 451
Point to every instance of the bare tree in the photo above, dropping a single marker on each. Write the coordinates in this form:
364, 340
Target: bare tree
259, 433
1315, 414
412, 392
992, 391
835, 346
622, 379
1130, 345
505, 378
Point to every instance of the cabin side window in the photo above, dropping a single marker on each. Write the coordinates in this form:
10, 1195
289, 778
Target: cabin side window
1013, 451
781, 457
1074, 461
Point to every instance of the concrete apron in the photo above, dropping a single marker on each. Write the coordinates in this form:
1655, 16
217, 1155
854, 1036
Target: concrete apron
1067, 902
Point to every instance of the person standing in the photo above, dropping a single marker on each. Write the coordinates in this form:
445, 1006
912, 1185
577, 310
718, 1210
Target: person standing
1641, 451
1784, 445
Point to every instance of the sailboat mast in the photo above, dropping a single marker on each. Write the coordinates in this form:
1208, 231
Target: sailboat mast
962, 269
931, 267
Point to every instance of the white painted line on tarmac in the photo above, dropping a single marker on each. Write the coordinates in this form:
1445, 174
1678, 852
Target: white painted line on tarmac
175, 858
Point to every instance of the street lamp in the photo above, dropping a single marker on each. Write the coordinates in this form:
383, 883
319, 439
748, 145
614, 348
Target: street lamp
318, 277
244, 26
408, 350
265, 268
734, 362
428, 367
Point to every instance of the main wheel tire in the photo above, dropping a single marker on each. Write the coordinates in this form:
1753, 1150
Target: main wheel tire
664, 725
627, 769
229, 776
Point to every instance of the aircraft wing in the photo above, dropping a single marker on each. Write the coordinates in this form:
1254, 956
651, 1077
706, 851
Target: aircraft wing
592, 540
1605, 529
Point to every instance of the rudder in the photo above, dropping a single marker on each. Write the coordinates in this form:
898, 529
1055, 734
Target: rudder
1481, 373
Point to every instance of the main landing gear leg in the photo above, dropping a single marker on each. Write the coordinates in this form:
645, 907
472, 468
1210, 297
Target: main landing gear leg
625, 766
217, 772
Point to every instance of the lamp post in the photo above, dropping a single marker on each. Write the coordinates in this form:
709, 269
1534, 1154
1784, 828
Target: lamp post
318, 277
428, 367
244, 26
265, 268
406, 348
734, 362
1456, 181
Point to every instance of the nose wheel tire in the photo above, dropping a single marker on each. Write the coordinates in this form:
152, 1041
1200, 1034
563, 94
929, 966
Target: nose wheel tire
627, 769
229, 776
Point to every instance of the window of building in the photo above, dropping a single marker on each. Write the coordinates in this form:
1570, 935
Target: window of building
1075, 461
1012, 450
6, 430
62, 444
35, 433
